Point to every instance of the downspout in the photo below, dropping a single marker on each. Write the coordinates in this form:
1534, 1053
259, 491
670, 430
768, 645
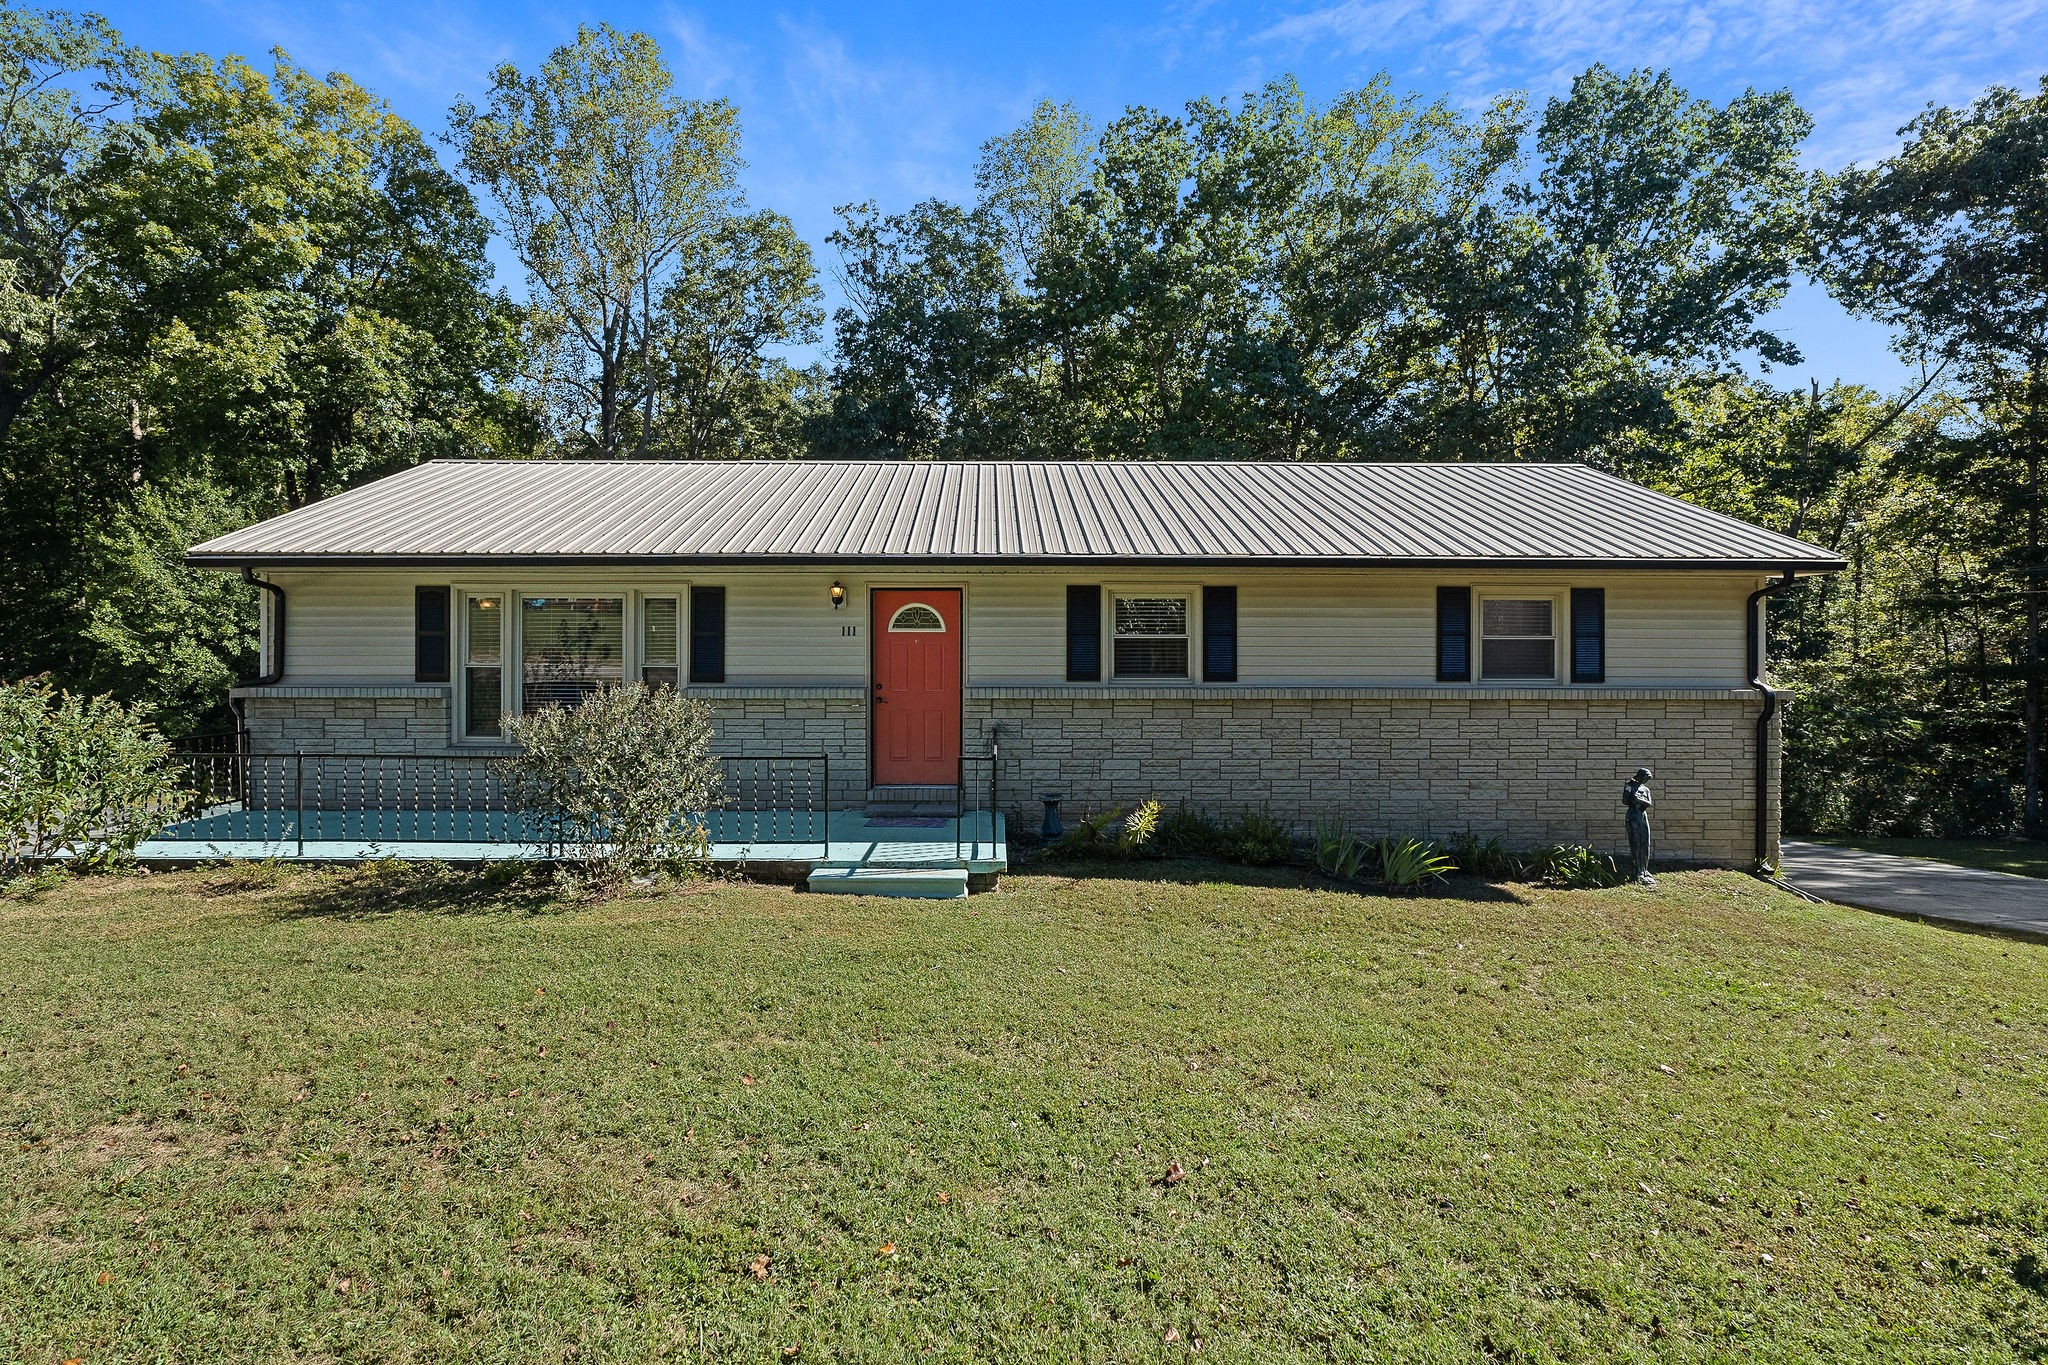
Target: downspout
1757, 617
276, 672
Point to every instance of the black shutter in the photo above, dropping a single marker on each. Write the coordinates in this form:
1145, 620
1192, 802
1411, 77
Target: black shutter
1454, 634
1589, 635
1084, 633
430, 635
1219, 634
707, 635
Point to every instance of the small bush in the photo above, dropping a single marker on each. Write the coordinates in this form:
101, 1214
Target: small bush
1114, 833
1190, 834
1340, 853
1258, 840
621, 784
81, 778
1575, 866
1412, 862
1486, 857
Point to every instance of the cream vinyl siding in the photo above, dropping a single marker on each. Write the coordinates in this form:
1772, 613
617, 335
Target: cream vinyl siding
1336, 628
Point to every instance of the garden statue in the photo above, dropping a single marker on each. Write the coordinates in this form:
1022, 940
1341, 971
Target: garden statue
1635, 799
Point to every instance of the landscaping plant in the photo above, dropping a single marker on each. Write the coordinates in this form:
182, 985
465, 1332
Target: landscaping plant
1574, 865
1116, 833
1258, 840
1411, 862
1190, 834
1339, 853
81, 778
1486, 857
621, 784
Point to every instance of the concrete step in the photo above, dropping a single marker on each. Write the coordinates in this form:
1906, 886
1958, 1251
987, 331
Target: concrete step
905, 800
908, 883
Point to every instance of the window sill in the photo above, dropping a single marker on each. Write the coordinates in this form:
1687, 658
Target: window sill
344, 690
1443, 692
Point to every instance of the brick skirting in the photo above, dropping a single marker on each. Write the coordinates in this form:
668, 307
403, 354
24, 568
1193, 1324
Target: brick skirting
1529, 769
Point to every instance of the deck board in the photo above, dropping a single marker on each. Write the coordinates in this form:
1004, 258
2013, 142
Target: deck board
855, 838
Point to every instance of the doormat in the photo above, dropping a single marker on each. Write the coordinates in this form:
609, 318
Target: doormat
910, 821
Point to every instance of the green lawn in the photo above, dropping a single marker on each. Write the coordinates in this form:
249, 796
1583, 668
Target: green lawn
383, 1116
2025, 857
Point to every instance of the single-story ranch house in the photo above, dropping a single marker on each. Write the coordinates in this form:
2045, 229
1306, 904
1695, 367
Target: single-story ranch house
1431, 648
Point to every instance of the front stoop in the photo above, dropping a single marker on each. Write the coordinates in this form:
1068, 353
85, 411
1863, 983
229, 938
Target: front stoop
907, 883
925, 801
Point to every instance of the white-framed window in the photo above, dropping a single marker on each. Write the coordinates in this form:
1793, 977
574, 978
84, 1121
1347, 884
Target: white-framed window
568, 648
1149, 635
483, 663
661, 621
524, 649
1518, 638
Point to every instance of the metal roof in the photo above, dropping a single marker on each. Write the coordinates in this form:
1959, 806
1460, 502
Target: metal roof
1006, 512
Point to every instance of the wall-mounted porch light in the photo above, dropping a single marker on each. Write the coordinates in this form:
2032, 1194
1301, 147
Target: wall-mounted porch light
838, 595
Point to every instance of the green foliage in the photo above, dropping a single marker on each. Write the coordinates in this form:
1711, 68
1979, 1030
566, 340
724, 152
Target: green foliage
658, 299
1575, 866
234, 292
81, 778
1482, 857
1411, 862
1374, 277
1258, 840
1947, 240
621, 783
1340, 853
1114, 833
1187, 833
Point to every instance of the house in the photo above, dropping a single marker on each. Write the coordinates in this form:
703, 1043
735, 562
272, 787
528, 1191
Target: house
1405, 648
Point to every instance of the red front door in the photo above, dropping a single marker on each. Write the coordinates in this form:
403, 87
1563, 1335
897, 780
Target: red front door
917, 686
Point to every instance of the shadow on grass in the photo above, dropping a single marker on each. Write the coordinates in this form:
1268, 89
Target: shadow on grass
390, 887
1210, 872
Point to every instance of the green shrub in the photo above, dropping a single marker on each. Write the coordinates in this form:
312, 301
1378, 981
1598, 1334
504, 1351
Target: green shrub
81, 778
621, 784
1258, 840
1114, 833
1190, 834
1411, 862
1574, 865
1340, 853
1486, 857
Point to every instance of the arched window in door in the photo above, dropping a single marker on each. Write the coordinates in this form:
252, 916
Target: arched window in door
916, 617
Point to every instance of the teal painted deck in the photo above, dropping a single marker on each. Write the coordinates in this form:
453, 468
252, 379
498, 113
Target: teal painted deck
844, 838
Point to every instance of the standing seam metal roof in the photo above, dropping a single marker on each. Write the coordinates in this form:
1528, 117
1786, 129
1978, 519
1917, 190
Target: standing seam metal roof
1025, 512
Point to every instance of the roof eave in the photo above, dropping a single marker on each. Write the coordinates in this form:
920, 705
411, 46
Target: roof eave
238, 561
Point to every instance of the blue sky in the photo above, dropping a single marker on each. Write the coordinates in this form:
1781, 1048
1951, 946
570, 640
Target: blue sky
889, 101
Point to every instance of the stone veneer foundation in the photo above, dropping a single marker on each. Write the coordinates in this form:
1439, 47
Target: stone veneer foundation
1527, 765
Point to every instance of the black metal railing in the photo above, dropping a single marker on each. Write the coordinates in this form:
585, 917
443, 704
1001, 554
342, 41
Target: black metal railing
380, 799
974, 822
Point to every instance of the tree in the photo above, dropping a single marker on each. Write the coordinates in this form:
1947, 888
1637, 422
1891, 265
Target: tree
723, 394
920, 338
609, 189
66, 83
230, 292
312, 282
1948, 241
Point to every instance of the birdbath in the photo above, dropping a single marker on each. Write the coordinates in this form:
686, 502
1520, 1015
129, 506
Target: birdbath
1052, 828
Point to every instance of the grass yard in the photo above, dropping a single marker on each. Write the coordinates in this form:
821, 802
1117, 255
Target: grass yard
388, 1115
2022, 857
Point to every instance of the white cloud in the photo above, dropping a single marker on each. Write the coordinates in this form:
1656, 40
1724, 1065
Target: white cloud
706, 63
1861, 70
